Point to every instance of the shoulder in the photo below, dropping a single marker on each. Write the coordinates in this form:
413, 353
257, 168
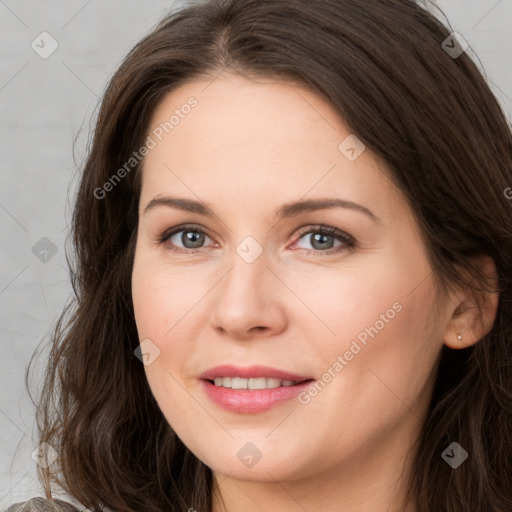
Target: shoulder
42, 505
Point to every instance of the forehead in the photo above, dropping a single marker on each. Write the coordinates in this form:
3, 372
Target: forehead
254, 138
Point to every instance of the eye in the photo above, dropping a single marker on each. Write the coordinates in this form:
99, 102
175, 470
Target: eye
191, 238
323, 238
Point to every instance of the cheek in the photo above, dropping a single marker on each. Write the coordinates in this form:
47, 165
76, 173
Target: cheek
375, 331
166, 304
165, 295
163, 305
388, 348
338, 303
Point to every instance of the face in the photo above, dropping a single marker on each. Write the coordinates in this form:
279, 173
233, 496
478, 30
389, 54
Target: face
339, 298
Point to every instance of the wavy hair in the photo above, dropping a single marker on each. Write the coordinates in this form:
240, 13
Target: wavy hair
430, 115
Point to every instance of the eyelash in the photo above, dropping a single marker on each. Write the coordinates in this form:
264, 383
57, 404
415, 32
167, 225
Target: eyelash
347, 241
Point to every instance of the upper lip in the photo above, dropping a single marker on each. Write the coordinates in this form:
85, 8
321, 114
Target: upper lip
227, 370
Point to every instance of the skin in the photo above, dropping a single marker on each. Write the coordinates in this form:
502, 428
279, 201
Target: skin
248, 147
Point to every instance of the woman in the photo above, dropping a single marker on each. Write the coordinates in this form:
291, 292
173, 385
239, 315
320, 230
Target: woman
293, 280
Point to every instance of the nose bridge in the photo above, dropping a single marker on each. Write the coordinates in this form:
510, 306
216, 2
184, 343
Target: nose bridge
246, 297
247, 279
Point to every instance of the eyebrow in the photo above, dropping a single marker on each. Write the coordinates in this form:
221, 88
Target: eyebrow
285, 211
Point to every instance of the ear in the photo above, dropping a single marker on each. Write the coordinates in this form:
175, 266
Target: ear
474, 311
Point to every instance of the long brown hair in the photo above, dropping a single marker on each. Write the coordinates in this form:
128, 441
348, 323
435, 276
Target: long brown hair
430, 115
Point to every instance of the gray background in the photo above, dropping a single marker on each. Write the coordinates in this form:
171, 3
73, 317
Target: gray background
45, 105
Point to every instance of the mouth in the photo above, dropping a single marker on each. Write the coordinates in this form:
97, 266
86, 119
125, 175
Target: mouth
228, 375
251, 389
252, 401
254, 383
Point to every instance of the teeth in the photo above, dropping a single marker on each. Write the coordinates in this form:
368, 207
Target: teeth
255, 383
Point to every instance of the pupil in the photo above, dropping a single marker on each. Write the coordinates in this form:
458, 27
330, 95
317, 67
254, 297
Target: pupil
194, 237
321, 238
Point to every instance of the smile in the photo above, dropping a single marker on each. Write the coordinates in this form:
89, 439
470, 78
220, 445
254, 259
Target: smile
253, 383
244, 400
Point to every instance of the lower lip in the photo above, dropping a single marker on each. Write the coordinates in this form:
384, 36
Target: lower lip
249, 401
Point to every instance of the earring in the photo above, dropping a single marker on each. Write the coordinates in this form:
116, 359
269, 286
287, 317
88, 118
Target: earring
459, 337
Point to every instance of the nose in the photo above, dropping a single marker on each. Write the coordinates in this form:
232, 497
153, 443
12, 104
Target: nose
248, 301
